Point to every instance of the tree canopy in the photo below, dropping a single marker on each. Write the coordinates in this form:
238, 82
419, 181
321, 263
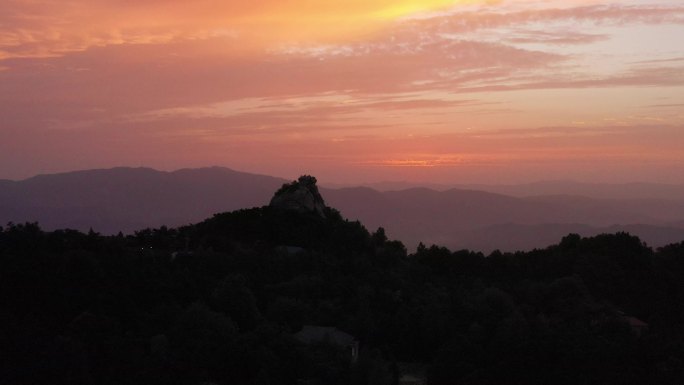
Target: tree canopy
220, 301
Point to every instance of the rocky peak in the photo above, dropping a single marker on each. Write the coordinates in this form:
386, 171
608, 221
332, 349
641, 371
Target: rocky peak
301, 195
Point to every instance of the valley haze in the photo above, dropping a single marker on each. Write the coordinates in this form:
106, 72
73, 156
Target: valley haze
481, 218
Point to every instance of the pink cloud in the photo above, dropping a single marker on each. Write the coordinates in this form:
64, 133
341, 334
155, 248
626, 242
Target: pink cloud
562, 38
612, 14
170, 98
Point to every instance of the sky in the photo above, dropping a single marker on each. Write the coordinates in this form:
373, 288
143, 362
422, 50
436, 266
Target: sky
441, 91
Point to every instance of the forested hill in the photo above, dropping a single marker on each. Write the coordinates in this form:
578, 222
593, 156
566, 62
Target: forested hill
220, 302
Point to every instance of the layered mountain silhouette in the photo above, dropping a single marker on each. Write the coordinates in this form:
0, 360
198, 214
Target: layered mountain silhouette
630, 191
130, 199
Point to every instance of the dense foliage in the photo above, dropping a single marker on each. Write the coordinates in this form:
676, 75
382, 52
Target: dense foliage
219, 302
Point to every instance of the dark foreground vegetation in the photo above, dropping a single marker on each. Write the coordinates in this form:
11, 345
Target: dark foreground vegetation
220, 301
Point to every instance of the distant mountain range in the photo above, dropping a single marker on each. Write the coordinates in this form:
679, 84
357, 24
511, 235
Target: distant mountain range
129, 199
637, 190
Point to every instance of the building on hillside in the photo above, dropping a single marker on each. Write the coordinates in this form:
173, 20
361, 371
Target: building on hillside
412, 374
638, 326
329, 335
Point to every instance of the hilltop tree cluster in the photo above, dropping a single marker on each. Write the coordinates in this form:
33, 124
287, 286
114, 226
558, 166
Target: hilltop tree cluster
220, 301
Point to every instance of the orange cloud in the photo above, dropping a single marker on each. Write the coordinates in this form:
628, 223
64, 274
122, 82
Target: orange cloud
353, 85
44, 29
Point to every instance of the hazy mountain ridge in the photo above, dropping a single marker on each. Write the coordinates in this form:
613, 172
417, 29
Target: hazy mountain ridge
129, 199
629, 191
621, 191
473, 219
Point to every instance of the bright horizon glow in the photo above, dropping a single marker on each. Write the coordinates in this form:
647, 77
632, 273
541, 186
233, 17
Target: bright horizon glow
351, 91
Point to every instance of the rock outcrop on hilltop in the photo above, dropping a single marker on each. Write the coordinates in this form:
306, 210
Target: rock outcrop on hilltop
301, 195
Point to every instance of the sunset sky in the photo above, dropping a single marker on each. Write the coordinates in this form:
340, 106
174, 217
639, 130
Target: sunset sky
348, 90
